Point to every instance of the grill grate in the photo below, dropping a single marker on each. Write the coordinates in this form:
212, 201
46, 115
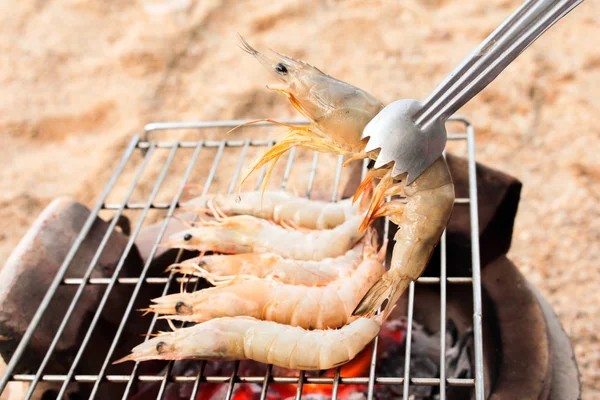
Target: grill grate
148, 148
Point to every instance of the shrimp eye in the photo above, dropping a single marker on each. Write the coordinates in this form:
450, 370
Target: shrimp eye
281, 68
187, 236
160, 347
182, 308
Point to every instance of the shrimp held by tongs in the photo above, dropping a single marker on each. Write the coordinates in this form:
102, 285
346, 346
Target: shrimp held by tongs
221, 269
278, 207
337, 110
311, 307
245, 338
421, 222
339, 113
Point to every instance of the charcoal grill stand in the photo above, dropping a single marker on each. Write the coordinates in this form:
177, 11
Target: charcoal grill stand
149, 147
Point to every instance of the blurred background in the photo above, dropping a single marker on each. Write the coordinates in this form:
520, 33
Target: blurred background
79, 78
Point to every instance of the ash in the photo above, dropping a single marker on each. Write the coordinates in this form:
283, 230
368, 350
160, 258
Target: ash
424, 362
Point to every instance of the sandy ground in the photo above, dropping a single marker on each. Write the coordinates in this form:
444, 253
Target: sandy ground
79, 78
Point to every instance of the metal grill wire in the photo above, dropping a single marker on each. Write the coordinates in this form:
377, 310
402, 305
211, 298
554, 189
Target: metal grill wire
149, 148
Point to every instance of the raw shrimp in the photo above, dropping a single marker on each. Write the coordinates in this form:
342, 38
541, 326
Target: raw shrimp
220, 269
243, 338
340, 112
421, 222
311, 307
337, 110
248, 234
279, 207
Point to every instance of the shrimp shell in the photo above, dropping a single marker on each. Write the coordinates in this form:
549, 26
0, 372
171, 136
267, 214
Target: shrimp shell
279, 207
311, 307
248, 234
242, 338
337, 110
220, 269
421, 222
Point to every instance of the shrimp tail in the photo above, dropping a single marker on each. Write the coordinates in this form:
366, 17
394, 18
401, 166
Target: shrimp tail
145, 311
385, 292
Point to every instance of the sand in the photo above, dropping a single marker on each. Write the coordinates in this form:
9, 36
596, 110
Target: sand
79, 78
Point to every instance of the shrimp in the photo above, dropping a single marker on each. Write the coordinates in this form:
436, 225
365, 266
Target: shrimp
248, 234
421, 222
279, 207
222, 269
340, 112
337, 110
245, 338
311, 307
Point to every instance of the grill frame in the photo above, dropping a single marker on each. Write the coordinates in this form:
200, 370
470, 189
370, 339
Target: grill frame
147, 146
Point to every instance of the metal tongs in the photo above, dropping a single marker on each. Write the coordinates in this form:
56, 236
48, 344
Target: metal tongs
411, 133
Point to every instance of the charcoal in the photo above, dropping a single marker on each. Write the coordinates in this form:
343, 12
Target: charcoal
424, 361
458, 360
357, 396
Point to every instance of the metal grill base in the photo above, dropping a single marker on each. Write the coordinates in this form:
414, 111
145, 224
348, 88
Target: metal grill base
196, 150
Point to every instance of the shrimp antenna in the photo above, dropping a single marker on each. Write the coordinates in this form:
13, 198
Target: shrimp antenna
275, 122
246, 47
145, 311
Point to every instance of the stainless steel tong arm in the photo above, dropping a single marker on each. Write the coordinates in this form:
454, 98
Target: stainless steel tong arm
492, 56
411, 133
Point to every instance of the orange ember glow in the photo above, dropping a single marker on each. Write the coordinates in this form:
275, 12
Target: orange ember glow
244, 392
358, 366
